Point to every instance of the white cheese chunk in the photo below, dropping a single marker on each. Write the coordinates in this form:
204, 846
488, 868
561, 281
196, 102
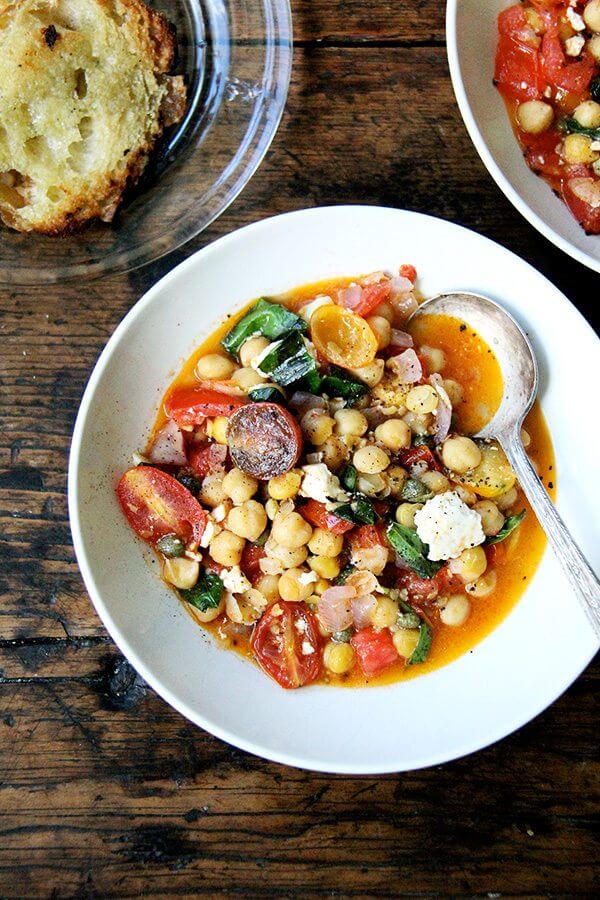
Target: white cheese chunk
320, 484
308, 577
574, 45
575, 19
448, 526
208, 534
235, 581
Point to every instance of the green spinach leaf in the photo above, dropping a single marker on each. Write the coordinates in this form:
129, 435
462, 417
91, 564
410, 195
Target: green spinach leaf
290, 361
206, 593
272, 320
413, 551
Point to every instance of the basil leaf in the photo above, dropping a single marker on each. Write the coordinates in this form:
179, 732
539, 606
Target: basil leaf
413, 551
414, 491
190, 481
595, 89
359, 510
289, 361
344, 574
570, 125
272, 320
349, 478
206, 593
423, 439
421, 651
509, 526
339, 383
171, 546
266, 394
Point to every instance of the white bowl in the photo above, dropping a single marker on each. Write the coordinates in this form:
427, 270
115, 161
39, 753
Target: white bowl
471, 35
509, 677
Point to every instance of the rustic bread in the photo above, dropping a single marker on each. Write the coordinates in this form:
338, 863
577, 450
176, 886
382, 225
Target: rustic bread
84, 96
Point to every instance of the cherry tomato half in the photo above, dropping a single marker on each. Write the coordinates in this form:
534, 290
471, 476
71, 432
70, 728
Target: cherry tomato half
375, 650
286, 644
518, 72
415, 455
368, 536
156, 504
191, 406
342, 337
570, 76
250, 562
318, 515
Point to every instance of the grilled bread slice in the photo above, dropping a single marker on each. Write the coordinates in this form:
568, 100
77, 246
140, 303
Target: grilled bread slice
84, 96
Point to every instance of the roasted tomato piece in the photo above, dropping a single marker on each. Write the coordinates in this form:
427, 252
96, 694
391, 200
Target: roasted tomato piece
191, 406
416, 455
250, 563
375, 650
264, 440
408, 271
369, 299
156, 504
419, 590
570, 76
318, 515
582, 196
286, 644
369, 536
205, 458
518, 71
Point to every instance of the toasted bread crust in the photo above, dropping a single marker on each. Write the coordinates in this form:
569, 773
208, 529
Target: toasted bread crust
88, 99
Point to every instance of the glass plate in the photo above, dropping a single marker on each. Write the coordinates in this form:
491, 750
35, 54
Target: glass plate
236, 56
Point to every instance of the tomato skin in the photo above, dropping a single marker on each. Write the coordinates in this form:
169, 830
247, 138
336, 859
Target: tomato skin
368, 536
587, 215
408, 271
572, 77
204, 458
156, 504
419, 454
371, 296
318, 515
250, 563
191, 406
496, 554
277, 644
518, 72
375, 650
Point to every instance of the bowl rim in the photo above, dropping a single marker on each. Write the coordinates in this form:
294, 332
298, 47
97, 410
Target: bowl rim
486, 156
435, 757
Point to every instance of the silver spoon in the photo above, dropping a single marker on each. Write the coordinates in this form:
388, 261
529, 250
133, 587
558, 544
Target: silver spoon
520, 372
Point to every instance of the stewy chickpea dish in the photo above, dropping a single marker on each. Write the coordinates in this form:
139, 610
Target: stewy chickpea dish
314, 496
548, 71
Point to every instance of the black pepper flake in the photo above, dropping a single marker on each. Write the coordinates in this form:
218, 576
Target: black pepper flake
462, 328
550, 484
51, 35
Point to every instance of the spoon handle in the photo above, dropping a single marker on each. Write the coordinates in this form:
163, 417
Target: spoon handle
576, 567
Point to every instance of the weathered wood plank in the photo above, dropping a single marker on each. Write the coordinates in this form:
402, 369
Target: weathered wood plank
106, 790
354, 20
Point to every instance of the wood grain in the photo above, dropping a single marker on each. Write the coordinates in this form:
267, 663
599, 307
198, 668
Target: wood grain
104, 790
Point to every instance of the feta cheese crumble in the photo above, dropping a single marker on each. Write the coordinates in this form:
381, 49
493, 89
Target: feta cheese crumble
574, 45
235, 581
575, 19
321, 484
448, 526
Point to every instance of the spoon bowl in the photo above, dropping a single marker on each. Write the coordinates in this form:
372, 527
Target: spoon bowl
519, 369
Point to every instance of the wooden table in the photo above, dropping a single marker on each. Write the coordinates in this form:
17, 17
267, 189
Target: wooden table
106, 791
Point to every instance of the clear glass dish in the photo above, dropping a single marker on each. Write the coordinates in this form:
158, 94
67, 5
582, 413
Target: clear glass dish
236, 56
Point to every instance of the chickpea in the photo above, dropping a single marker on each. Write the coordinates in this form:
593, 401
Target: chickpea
505, 501
214, 365
436, 358
435, 481
454, 390
239, 609
268, 585
466, 495
405, 514
288, 558
325, 566
385, 613
291, 530
212, 492
239, 485
371, 460
385, 310
422, 399
456, 610
371, 484
291, 587
460, 453
226, 548
181, 572
286, 486
534, 19
350, 423
588, 114
217, 429
405, 641
394, 434
535, 116
492, 519
470, 565
382, 329
418, 424
251, 349
211, 613
338, 658
271, 508
324, 543
483, 586
577, 148
593, 47
371, 374
396, 477
317, 426
248, 378
321, 586
591, 15
248, 520
335, 452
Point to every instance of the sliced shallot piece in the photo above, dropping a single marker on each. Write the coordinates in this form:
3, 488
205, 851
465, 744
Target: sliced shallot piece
168, 448
443, 413
374, 415
362, 610
406, 366
401, 339
301, 402
350, 297
400, 286
363, 582
335, 607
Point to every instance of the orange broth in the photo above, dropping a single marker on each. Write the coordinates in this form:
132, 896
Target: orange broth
473, 365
